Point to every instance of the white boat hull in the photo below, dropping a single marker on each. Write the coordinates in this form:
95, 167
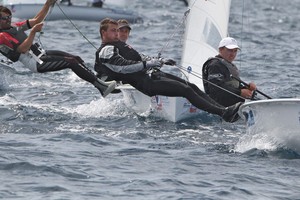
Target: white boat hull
75, 12
277, 119
173, 109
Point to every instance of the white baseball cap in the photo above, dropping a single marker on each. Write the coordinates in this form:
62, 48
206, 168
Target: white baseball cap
229, 43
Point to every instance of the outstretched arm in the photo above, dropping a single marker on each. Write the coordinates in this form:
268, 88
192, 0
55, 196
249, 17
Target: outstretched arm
36, 24
42, 14
25, 46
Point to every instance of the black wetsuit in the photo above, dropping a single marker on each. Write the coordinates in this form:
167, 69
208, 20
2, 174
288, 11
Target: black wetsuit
55, 60
122, 63
219, 72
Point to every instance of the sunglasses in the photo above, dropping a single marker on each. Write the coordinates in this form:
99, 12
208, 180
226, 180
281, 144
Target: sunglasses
6, 17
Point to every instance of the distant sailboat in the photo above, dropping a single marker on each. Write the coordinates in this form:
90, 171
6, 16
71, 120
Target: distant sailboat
25, 9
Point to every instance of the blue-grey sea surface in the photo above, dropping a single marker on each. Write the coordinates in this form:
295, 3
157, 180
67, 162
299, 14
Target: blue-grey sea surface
59, 140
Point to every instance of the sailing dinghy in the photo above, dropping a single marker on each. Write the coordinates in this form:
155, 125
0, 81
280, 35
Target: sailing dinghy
207, 24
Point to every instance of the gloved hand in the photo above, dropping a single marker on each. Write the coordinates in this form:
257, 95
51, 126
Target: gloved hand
169, 62
154, 63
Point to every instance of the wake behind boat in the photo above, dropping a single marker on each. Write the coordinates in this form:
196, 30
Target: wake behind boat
207, 24
26, 9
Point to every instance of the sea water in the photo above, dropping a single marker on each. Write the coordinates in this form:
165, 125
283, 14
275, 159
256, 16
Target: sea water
60, 140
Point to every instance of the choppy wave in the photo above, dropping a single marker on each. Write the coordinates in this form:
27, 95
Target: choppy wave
61, 140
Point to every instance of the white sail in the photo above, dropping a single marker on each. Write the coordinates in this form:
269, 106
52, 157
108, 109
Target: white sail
207, 24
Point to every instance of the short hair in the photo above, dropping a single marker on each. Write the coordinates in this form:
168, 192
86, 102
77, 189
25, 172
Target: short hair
4, 10
104, 24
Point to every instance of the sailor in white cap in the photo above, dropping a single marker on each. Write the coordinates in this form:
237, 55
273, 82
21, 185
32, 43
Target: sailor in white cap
228, 48
220, 71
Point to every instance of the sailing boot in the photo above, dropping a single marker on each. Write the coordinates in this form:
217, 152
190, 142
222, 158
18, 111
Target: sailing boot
105, 87
230, 113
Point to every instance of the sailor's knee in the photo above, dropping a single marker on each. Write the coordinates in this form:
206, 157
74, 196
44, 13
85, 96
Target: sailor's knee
188, 90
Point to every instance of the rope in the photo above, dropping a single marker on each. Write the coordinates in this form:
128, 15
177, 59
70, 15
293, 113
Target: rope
41, 32
180, 24
198, 75
73, 24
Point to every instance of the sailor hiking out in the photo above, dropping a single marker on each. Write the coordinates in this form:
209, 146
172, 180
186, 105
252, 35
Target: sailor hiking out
17, 46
